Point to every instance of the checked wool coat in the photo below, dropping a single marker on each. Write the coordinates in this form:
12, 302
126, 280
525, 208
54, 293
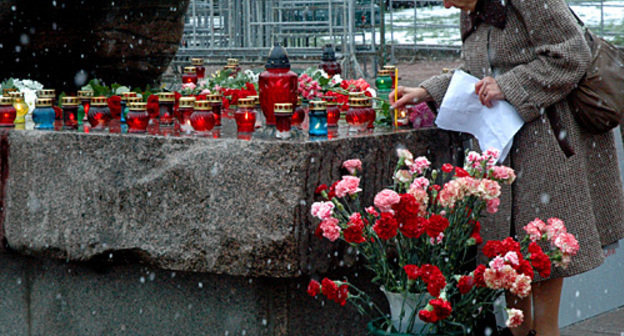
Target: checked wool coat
536, 59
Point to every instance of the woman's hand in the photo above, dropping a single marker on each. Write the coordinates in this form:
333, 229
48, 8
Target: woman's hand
488, 90
408, 95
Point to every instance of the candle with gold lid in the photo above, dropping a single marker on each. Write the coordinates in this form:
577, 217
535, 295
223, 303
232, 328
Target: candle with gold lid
185, 110
43, 115
6, 91
202, 119
216, 102
124, 105
20, 105
137, 117
283, 113
7, 112
190, 75
70, 112
333, 110
166, 101
85, 100
392, 73
357, 115
301, 110
99, 113
318, 118
245, 115
233, 65
200, 70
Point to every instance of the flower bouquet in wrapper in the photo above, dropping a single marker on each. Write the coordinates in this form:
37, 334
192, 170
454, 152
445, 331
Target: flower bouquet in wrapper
421, 239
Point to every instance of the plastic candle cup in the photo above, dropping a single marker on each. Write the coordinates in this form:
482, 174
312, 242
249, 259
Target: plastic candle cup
200, 70
318, 118
43, 115
328, 61
392, 72
137, 118
185, 110
166, 100
277, 84
190, 75
333, 111
21, 108
216, 103
233, 66
299, 114
202, 118
99, 113
245, 115
370, 113
357, 115
384, 83
283, 113
259, 116
7, 112
125, 96
70, 112
85, 101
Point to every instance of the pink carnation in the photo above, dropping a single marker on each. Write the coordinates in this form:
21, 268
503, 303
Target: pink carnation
474, 157
489, 189
503, 173
515, 318
512, 258
348, 185
330, 229
492, 205
555, 227
371, 211
403, 153
419, 165
567, 243
491, 155
205, 92
322, 210
385, 199
522, 286
437, 240
420, 183
189, 86
352, 165
402, 176
509, 276
535, 229
493, 279
497, 263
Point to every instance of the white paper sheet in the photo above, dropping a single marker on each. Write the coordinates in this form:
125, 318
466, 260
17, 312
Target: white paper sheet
462, 111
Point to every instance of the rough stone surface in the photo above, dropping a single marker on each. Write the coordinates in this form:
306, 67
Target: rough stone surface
197, 204
121, 298
61, 43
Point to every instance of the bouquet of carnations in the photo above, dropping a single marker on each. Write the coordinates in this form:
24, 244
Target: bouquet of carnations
420, 238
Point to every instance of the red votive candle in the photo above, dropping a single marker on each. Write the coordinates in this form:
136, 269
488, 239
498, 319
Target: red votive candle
137, 118
371, 114
70, 112
333, 111
283, 113
85, 101
7, 112
245, 115
357, 116
200, 70
166, 100
202, 119
190, 75
299, 114
215, 102
99, 114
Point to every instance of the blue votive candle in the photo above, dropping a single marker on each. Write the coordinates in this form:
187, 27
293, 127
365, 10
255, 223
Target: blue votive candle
43, 114
318, 118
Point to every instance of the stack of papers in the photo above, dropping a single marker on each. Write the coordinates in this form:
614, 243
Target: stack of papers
461, 111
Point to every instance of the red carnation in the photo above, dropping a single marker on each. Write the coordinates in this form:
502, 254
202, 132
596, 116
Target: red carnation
436, 225
436, 187
525, 268
413, 227
465, 284
386, 226
447, 167
354, 233
476, 232
343, 294
510, 245
441, 308
58, 112
492, 248
152, 106
434, 279
329, 289
411, 271
320, 189
539, 260
314, 288
407, 208
332, 190
478, 276
460, 172
427, 316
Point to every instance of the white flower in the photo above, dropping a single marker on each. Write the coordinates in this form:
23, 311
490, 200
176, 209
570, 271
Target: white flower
336, 80
253, 77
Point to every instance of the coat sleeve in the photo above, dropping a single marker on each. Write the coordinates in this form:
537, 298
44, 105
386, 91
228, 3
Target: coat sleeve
436, 86
562, 57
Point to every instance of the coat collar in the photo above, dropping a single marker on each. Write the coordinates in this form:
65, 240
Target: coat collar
492, 12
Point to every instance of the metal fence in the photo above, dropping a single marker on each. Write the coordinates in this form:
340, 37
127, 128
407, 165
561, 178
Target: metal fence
360, 29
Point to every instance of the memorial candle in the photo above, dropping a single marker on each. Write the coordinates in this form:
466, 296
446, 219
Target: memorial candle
99, 113
245, 115
283, 113
190, 75
202, 119
70, 112
137, 117
7, 112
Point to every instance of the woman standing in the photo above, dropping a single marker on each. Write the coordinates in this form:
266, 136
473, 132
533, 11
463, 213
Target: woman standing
532, 53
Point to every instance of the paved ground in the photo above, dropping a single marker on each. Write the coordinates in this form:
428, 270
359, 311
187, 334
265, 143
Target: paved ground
606, 324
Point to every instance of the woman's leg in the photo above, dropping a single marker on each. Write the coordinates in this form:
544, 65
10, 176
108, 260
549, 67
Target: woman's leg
524, 305
546, 299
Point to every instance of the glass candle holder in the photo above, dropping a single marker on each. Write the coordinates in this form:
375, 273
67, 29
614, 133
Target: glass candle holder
333, 111
7, 112
300, 113
190, 75
166, 100
370, 113
99, 113
70, 112
51, 93
329, 63
20, 105
277, 84
43, 115
283, 115
137, 118
392, 72
200, 70
85, 100
245, 115
202, 119
125, 98
6, 92
215, 102
259, 116
384, 83
185, 110
357, 114
318, 118
233, 65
